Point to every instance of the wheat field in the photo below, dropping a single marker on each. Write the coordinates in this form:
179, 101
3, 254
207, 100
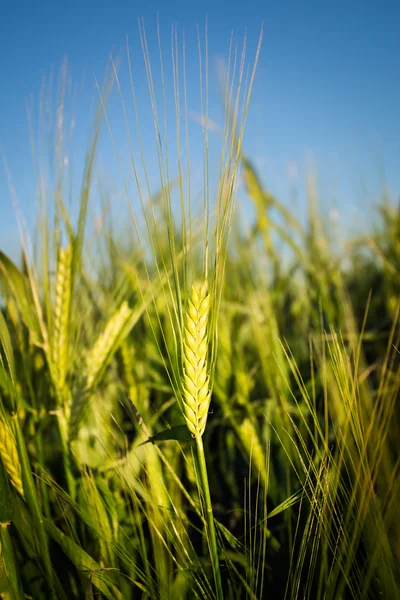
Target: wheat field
190, 408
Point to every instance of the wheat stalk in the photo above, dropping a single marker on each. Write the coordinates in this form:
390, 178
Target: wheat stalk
9, 456
196, 381
196, 396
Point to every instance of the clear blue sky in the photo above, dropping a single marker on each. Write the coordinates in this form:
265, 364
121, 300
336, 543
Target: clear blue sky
328, 84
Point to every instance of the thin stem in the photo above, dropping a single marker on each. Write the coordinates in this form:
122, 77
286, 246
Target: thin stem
211, 538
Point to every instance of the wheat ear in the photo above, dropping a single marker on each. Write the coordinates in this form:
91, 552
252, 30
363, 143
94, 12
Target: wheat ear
9, 456
196, 383
61, 315
105, 343
96, 361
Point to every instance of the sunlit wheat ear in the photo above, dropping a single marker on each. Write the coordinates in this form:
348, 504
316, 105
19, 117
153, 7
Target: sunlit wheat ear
196, 382
61, 315
9, 456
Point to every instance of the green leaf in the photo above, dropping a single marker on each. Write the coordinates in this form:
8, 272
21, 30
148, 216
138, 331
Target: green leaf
179, 433
7, 363
18, 285
286, 504
6, 498
10, 567
32, 500
100, 577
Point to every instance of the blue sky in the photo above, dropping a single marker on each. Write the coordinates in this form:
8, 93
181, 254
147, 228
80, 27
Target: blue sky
327, 86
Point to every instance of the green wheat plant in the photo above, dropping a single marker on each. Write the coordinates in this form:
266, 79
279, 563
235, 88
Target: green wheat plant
192, 408
192, 307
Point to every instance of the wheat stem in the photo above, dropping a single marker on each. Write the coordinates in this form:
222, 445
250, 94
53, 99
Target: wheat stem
196, 395
211, 537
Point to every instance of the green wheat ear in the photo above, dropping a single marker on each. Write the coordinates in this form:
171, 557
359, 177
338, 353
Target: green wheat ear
196, 383
9, 456
61, 315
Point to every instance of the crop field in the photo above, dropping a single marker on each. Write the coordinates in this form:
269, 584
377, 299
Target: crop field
191, 408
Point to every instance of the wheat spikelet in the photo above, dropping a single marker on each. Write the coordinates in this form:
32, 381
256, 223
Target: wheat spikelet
196, 384
61, 315
96, 361
98, 356
9, 456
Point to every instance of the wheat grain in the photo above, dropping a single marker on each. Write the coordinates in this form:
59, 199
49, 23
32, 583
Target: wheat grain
196, 383
9, 456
